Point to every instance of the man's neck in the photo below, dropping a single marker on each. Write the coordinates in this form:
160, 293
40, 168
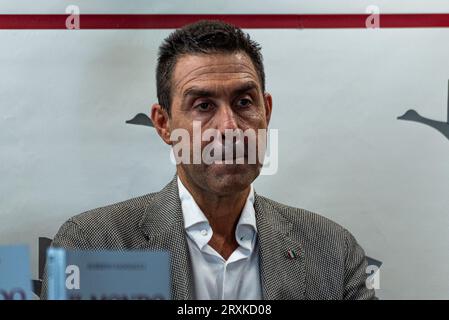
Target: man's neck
222, 212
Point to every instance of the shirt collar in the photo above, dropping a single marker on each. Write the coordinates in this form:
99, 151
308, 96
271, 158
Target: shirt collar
190, 210
196, 223
246, 230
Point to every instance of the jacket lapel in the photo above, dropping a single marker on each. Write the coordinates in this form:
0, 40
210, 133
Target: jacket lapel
163, 226
282, 262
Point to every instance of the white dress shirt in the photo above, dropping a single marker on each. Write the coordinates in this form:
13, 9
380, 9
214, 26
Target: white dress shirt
237, 278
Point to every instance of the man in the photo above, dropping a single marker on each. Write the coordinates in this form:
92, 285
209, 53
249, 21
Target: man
226, 241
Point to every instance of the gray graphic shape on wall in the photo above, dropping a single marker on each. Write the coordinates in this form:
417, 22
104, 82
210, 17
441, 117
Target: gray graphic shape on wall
441, 126
142, 120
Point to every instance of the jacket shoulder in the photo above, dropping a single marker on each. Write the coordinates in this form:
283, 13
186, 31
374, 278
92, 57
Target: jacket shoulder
335, 262
112, 226
308, 224
113, 211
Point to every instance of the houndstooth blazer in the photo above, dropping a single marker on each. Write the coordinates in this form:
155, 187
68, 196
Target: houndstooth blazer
327, 264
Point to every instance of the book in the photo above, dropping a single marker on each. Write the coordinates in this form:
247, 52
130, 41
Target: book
107, 275
15, 273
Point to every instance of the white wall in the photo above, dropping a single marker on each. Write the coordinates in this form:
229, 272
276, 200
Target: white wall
65, 147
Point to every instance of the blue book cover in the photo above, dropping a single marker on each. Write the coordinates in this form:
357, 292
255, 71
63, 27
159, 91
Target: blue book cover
15, 274
107, 275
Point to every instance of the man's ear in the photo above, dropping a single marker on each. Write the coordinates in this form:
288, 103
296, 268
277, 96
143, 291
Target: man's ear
268, 102
161, 122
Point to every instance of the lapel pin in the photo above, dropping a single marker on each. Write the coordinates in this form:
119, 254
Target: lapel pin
292, 254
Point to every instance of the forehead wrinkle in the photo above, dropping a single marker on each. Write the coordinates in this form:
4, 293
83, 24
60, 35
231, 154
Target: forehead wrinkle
212, 66
250, 77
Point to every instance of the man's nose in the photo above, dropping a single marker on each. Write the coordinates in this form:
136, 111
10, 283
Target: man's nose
226, 119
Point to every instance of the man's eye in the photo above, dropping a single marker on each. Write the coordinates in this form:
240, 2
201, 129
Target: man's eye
244, 103
205, 106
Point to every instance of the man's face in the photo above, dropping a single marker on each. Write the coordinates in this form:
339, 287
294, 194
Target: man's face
221, 92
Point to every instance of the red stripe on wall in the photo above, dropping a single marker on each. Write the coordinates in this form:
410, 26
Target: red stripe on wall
171, 21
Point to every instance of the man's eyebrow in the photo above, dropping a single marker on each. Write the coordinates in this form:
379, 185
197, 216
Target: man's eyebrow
198, 92
202, 92
247, 86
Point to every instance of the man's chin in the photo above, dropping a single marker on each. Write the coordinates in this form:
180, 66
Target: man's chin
230, 178
221, 168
